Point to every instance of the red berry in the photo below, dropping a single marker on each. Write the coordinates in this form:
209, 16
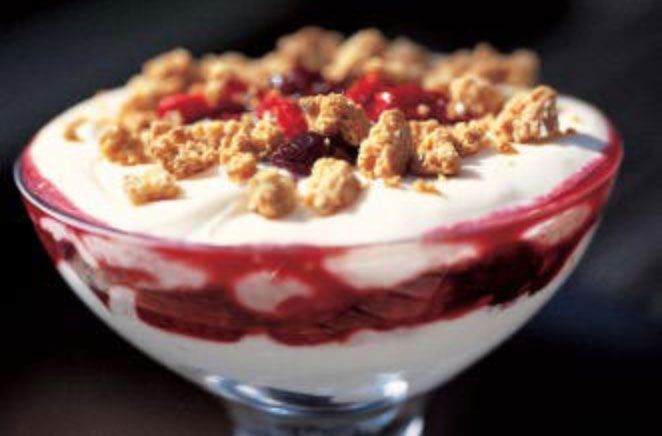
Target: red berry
363, 90
285, 111
414, 101
300, 81
376, 95
190, 106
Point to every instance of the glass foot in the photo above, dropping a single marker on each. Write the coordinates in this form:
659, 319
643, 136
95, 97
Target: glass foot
400, 419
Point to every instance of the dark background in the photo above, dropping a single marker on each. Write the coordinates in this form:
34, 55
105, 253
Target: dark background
590, 362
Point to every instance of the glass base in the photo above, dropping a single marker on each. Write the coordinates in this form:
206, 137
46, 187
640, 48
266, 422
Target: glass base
264, 411
400, 419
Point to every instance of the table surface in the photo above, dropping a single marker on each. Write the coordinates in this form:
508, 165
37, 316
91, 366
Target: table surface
583, 364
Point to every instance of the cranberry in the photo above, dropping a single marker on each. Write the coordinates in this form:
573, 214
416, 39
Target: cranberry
299, 155
190, 106
376, 95
299, 82
194, 106
285, 111
414, 101
363, 90
231, 97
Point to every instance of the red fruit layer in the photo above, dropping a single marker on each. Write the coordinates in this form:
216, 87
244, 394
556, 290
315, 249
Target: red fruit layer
507, 267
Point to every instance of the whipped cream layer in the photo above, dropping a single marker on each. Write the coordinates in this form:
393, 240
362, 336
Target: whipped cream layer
213, 210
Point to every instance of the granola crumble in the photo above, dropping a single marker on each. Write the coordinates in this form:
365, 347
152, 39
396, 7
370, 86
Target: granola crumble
425, 187
353, 53
71, 129
473, 97
123, 147
310, 47
519, 68
151, 185
183, 151
529, 117
271, 194
435, 152
335, 114
386, 151
241, 167
332, 186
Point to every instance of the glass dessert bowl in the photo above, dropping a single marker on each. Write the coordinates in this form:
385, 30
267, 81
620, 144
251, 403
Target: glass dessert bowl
314, 328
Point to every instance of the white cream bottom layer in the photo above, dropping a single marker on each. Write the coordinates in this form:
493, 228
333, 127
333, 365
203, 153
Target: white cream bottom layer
212, 210
367, 367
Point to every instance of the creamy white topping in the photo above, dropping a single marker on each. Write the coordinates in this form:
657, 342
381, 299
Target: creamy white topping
213, 210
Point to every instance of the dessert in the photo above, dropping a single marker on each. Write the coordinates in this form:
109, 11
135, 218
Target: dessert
329, 219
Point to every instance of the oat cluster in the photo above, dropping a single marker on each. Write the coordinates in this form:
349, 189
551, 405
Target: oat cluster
387, 110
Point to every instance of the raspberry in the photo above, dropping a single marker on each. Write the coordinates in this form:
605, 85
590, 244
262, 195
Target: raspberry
299, 155
364, 89
300, 82
376, 95
190, 106
285, 111
414, 101
231, 98
194, 106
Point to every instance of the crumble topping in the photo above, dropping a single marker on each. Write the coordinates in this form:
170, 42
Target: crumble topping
332, 186
529, 117
354, 53
122, 146
386, 151
183, 151
425, 187
311, 47
473, 97
335, 114
519, 68
435, 153
327, 107
71, 129
271, 194
151, 185
241, 166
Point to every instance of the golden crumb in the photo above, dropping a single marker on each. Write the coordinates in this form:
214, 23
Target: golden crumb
473, 97
183, 151
335, 114
71, 129
241, 167
353, 53
393, 182
310, 47
266, 136
332, 186
529, 117
175, 63
151, 185
386, 151
435, 152
272, 194
470, 136
425, 187
519, 68
123, 147
402, 61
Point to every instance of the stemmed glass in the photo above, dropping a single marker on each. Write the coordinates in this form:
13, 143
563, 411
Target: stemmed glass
311, 340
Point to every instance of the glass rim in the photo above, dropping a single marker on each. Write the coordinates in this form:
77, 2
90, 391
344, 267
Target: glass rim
585, 186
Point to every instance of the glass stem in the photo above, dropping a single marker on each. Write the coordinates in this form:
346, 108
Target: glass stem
399, 419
